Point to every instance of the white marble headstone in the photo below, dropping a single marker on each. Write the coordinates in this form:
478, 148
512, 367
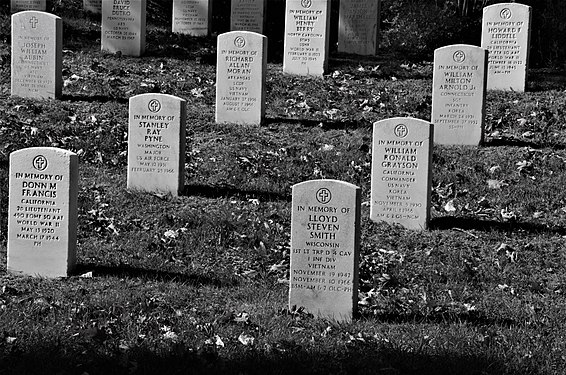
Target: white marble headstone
42, 212
358, 26
21, 5
37, 55
247, 15
325, 240
240, 77
458, 94
156, 143
192, 17
506, 34
306, 42
123, 26
401, 172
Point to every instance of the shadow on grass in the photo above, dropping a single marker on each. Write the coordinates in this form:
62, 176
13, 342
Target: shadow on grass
329, 125
209, 191
521, 143
94, 98
154, 275
284, 357
473, 317
451, 222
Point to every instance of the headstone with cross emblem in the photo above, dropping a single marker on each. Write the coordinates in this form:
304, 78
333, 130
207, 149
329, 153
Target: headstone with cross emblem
42, 212
123, 27
506, 34
247, 15
358, 26
21, 5
37, 55
93, 6
458, 94
325, 239
401, 172
240, 77
156, 144
192, 17
307, 24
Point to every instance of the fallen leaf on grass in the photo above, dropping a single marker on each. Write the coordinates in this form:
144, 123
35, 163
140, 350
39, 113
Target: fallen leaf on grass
449, 206
496, 184
217, 341
508, 215
494, 169
246, 339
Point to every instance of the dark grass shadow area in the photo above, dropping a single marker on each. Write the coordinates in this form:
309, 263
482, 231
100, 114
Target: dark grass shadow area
324, 124
546, 80
510, 142
123, 271
285, 357
465, 223
475, 318
93, 98
222, 191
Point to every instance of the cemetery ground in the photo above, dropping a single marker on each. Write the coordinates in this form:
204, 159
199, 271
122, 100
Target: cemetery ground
198, 283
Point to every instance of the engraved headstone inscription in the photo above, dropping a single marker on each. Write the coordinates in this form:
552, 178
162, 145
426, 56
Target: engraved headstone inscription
37, 55
42, 222
22, 5
306, 40
93, 6
401, 172
458, 94
325, 239
123, 27
192, 17
156, 143
240, 77
506, 34
247, 15
358, 26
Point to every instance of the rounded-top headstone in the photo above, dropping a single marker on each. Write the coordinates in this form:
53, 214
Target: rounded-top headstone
240, 77
401, 172
156, 143
307, 24
42, 223
37, 55
458, 94
325, 238
506, 34
123, 27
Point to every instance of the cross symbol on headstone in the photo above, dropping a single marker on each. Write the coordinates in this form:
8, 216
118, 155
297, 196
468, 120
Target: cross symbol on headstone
154, 105
323, 196
40, 162
33, 22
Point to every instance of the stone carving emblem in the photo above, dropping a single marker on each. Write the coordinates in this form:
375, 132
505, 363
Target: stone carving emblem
459, 56
154, 106
401, 131
323, 196
505, 13
240, 42
306, 3
40, 162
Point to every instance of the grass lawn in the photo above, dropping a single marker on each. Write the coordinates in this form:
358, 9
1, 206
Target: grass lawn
198, 283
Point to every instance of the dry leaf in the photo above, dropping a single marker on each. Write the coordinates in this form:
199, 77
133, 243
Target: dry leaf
495, 184
246, 339
449, 206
